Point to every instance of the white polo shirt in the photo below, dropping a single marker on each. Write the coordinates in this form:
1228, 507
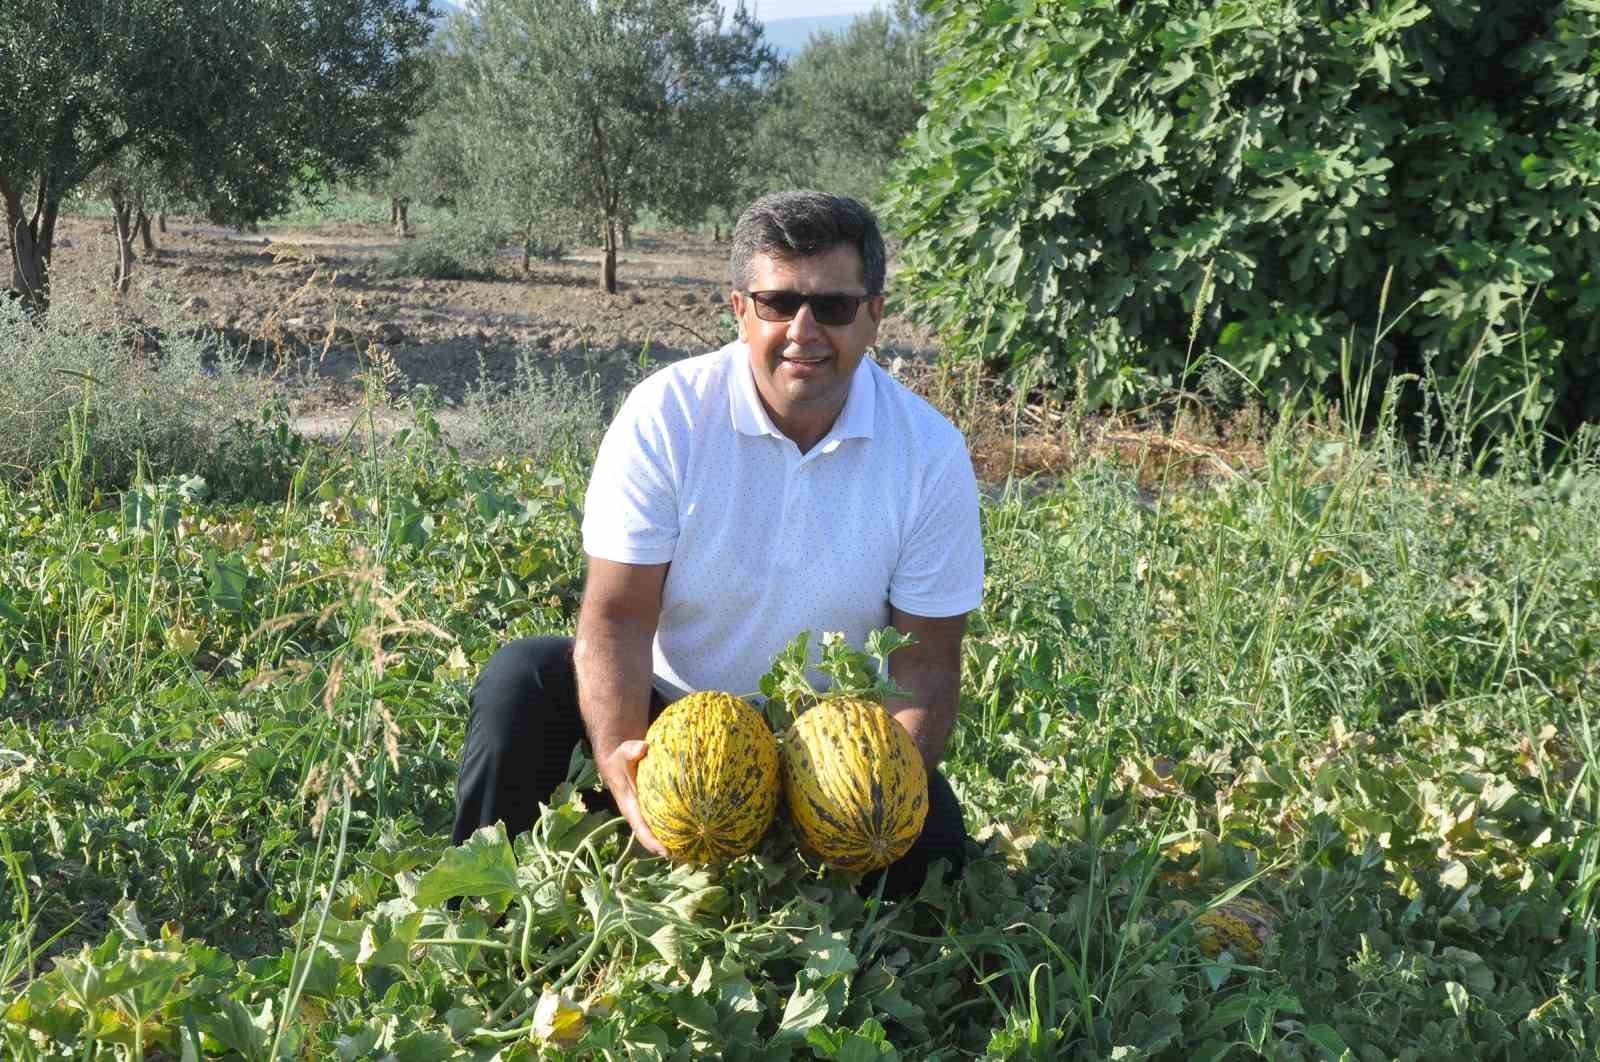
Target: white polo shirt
764, 541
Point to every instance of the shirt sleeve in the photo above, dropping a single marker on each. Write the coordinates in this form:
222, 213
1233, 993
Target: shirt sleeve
630, 512
940, 570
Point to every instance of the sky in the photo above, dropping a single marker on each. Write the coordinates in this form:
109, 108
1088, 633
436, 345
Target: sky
769, 10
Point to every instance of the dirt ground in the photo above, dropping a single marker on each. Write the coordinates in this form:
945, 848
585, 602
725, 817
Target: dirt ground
290, 289
309, 301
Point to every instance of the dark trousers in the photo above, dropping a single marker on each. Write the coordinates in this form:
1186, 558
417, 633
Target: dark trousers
523, 726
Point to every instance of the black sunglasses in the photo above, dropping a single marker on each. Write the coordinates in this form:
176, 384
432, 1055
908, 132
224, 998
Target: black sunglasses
832, 309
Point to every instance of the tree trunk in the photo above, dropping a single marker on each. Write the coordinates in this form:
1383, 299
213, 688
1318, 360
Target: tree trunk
608, 261
161, 222
399, 208
142, 223
30, 249
122, 216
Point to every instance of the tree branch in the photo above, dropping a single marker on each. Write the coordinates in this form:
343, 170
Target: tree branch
94, 162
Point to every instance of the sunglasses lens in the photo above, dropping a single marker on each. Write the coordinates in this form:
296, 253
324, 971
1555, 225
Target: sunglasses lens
833, 310
778, 305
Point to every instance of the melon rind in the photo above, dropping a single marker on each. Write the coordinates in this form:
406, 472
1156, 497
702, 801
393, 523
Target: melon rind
854, 784
708, 786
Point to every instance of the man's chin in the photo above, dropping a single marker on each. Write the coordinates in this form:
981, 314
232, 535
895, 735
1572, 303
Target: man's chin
809, 394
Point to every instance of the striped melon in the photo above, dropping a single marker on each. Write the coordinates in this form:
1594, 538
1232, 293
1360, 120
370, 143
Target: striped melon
708, 787
854, 784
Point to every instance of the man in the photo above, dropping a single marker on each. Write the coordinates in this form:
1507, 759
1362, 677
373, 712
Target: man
780, 484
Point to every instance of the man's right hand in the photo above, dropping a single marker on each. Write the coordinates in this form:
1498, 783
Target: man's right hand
619, 770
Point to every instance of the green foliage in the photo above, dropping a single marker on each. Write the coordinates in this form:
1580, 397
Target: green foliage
1361, 692
455, 250
232, 104
835, 117
542, 411
78, 397
1085, 167
594, 111
435, 164
345, 205
790, 686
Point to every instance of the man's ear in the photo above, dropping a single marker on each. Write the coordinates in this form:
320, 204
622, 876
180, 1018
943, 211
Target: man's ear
736, 299
875, 308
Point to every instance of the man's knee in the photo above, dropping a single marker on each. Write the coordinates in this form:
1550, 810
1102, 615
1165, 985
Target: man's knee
521, 684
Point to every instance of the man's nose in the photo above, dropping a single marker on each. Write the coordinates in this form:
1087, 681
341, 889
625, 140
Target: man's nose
803, 326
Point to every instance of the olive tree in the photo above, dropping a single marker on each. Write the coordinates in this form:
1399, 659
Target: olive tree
436, 161
606, 107
835, 117
234, 103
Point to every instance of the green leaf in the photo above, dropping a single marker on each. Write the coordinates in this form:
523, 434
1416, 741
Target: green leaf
1284, 198
483, 866
1455, 875
695, 1012
1230, 1010
1328, 1038
830, 953
424, 1046
806, 1008
1474, 970
241, 1028
227, 578
859, 1049
1212, 1051
1460, 999
9, 613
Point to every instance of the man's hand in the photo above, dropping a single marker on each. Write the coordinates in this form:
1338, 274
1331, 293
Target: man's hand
619, 769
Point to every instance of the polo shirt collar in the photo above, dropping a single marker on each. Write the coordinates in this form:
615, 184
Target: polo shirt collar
750, 416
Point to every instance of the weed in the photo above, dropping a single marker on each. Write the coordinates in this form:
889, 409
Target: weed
461, 250
68, 383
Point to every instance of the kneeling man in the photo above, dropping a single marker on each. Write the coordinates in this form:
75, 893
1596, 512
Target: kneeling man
783, 483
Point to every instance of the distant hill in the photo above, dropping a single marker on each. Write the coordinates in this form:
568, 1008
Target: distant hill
789, 35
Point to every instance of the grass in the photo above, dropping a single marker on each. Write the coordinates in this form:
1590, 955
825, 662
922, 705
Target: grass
1349, 682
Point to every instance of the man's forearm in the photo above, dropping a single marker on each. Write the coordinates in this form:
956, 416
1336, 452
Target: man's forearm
611, 657
929, 712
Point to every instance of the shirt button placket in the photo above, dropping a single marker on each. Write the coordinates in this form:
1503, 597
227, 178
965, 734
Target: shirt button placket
797, 512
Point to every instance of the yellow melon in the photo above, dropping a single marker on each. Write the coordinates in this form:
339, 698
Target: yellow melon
854, 784
708, 787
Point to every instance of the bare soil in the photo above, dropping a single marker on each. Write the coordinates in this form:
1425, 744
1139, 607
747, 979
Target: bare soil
316, 303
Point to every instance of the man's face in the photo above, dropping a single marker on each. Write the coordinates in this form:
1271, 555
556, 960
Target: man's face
803, 368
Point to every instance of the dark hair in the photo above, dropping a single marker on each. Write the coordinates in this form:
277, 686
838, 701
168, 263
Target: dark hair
789, 225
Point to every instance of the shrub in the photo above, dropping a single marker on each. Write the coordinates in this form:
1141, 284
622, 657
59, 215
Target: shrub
461, 249
182, 405
542, 411
1083, 165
